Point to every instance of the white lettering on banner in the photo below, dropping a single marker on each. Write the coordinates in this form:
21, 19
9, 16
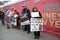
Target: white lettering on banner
35, 22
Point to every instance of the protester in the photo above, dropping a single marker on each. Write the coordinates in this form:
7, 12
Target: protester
2, 17
24, 11
16, 19
36, 33
9, 14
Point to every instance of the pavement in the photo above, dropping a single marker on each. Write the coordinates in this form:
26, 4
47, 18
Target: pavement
15, 34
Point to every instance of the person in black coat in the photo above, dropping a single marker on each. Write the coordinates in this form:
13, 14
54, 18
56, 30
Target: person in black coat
36, 33
2, 17
26, 10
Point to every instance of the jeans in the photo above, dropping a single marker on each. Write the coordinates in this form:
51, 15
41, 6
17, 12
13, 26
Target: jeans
2, 21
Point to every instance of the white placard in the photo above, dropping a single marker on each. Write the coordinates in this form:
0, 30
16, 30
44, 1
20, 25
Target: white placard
25, 23
35, 14
35, 22
14, 20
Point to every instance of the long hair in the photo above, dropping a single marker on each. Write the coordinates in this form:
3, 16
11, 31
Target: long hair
36, 11
35, 8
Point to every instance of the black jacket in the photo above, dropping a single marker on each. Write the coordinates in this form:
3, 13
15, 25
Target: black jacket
1, 15
25, 10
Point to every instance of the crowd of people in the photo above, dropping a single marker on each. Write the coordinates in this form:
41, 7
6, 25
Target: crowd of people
13, 19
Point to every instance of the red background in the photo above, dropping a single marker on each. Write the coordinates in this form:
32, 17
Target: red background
40, 4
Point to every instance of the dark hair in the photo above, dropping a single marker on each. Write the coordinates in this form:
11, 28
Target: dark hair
34, 8
23, 6
15, 10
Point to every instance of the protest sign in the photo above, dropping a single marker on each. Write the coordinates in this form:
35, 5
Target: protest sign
24, 17
14, 20
35, 14
35, 24
25, 23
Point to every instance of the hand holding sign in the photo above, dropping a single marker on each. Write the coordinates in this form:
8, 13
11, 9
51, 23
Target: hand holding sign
41, 27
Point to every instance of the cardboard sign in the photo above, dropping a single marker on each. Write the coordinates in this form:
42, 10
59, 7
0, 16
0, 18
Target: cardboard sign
14, 20
25, 23
35, 24
35, 14
24, 17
